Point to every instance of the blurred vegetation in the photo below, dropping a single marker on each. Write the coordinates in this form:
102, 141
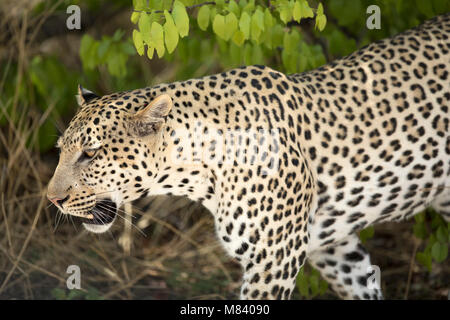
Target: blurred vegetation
41, 63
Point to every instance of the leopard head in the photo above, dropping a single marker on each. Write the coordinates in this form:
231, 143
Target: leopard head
104, 155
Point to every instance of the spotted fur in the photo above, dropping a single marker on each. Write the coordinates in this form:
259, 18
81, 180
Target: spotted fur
359, 141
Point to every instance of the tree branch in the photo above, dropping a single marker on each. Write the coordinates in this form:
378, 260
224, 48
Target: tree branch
190, 7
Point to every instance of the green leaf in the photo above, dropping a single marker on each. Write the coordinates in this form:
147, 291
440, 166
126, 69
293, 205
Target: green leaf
285, 14
138, 42
291, 41
139, 4
277, 35
267, 38
248, 7
118, 35
74, 293
116, 61
93, 294
290, 61
297, 11
127, 47
321, 21
302, 283
306, 10
157, 33
212, 14
145, 28
314, 280
135, 17
238, 38
231, 23
219, 26
248, 54
366, 234
88, 52
170, 33
302, 63
103, 49
258, 16
150, 52
181, 18
431, 241
203, 17
319, 9
235, 54
244, 24
268, 19
257, 25
323, 287
439, 251
420, 230
233, 7
58, 294
257, 55
442, 234
436, 219
420, 217
340, 44
424, 259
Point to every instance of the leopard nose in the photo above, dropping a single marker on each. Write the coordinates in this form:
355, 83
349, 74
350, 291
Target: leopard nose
58, 201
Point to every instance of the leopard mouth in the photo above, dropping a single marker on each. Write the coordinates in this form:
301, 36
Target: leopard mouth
103, 213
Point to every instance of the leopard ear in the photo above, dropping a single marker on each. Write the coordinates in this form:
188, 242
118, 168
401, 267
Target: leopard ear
150, 119
158, 108
84, 96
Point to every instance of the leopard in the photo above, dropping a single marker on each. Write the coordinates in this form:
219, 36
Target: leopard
291, 167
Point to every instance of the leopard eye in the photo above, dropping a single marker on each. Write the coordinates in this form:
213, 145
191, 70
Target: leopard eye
87, 155
90, 153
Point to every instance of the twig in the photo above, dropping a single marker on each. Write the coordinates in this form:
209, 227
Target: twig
191, 241
125, 286
45, 16
411, 267
8, 234
188, 8
25, 244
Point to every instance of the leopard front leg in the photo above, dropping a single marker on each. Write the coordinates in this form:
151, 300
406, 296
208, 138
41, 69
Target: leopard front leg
346, 266
270, 247
263, 224
274, 278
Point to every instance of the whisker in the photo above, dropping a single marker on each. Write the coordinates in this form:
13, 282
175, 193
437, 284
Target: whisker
100, 216
96, 194
71, 220
122, 217
105, 205
58, 219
